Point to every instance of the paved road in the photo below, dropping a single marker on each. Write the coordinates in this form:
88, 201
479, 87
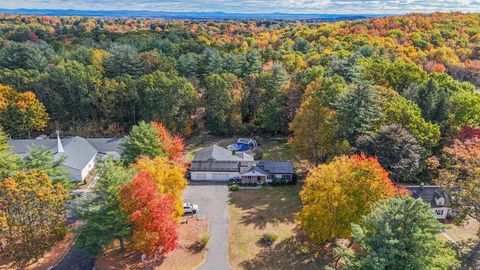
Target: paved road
212, 201
76, 259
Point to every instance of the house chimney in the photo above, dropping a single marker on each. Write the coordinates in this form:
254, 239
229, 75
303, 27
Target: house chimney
59, 143
422, 185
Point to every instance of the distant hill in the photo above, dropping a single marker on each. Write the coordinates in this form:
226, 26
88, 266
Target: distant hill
188, 15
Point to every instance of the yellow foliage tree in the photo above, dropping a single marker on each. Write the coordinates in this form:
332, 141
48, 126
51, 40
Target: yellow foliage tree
168, 176
337, 194
21, 113
314, 129
32, 215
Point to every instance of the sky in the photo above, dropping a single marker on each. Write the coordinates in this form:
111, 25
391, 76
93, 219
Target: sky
256, 6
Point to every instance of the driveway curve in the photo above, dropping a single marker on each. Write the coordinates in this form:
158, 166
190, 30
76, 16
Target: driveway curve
212, 201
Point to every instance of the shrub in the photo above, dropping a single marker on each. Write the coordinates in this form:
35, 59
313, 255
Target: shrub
269, 238
249, 184
279, 182
234, 187
202, 242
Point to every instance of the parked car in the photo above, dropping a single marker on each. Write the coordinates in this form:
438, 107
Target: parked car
234, 180
190, 208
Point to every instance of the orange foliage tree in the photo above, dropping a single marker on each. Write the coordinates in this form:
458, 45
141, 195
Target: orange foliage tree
172, 145
168, 176
154, 230
337, 194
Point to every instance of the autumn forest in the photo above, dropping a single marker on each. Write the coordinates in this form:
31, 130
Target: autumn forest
363, 105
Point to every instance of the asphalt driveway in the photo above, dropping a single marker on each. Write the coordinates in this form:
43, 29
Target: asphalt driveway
212, 201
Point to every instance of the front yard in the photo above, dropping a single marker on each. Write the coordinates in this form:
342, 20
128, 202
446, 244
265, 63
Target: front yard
269, 210
185, 256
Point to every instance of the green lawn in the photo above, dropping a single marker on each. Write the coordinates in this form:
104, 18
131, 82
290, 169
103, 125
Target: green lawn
276, 149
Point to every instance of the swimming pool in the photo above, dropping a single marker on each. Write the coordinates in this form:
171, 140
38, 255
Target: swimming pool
239, 147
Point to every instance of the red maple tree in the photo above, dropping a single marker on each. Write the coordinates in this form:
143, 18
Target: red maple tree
468, 133
154, 230
173, 145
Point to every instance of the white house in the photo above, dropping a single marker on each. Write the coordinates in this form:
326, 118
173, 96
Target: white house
435, 196
215, 163
80, 154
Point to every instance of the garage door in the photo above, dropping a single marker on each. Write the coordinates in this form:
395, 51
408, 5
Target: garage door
200, 176
220, 177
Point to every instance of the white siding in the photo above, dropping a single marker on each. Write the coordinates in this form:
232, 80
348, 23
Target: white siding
88, 168
440, 212
213, 176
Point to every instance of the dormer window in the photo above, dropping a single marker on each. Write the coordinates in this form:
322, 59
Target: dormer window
439, 199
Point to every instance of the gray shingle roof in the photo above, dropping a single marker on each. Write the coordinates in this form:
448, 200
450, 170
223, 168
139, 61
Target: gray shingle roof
217, 153
77, 150
105, 145
78, 153
276, 167
20, 147
428, 194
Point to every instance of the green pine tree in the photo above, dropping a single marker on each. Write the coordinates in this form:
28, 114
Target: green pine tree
400, 234
141, 141
358, 111
41, 159
9, 162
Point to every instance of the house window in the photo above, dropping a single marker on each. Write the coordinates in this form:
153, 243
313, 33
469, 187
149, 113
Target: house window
270, 176
440, 201
286, 177
439, 212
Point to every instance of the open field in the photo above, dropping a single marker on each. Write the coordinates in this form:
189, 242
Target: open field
268, 210
185, 257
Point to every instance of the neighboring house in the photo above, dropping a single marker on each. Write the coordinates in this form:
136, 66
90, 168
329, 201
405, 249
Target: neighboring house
80, 154
215, 163
436, 197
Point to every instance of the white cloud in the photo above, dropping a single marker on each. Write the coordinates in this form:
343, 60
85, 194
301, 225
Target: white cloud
257, 6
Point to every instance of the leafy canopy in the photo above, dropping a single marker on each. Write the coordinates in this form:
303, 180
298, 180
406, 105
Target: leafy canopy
154, 230
168, 176
339, 193
396, 149
100, 209
32, 215
400, 234
141, 141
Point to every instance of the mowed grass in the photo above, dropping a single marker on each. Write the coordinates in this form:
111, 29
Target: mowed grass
268, 210
276, 149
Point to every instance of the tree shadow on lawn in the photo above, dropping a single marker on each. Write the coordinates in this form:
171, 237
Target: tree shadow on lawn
471, 260
269, 205
291, 253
